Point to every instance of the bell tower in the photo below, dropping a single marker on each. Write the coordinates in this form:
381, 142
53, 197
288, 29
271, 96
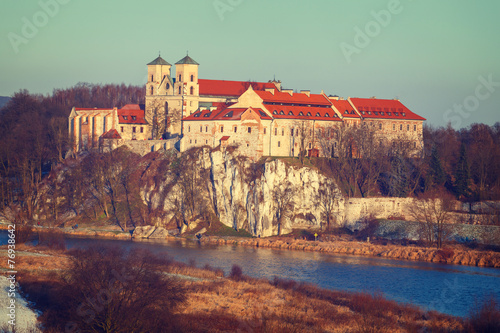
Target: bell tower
186, 84
159, 81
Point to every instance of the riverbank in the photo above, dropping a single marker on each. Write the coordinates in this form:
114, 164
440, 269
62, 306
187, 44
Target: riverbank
215, 303
451, 254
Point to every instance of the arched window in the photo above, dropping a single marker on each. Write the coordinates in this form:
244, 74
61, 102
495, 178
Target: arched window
192, 78
167, 86
191, 90
180, 76
152, 77
151, 91
180, 90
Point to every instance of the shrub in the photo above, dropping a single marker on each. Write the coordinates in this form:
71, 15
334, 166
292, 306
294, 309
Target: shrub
445, 253
369, 228
107, 290
236, 273
485, 318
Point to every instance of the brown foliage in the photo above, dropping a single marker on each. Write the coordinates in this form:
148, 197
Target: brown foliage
485, 318
106, 290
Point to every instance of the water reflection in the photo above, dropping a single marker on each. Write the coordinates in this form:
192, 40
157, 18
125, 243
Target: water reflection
447, 288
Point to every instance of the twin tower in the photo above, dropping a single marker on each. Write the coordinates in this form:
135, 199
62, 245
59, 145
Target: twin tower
168, 98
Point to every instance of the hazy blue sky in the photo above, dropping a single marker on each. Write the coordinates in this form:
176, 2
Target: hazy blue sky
441, 58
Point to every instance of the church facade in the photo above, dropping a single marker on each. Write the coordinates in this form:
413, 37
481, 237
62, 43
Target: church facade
255, 118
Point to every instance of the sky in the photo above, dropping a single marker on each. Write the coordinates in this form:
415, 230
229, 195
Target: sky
440, 58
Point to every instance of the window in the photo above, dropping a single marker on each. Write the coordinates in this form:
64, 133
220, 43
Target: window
134, 117
275, 131
121, 129
167, 86
180, 90
151, 91
380, 126
281, 112
192, 78
291, 132
124, 118
282, 132
206, 142
201, 128
301, 113
290, 113
133, 129
309, 114
414, 127
317, 114
189, 128
310, 145
393, 127
152, 77
407, 127
401, 127
206, 128
190, 141
222, 129
275, 112
414, 145
180, 78
249, 130
191, 90
235, 129
327, 115
279, 144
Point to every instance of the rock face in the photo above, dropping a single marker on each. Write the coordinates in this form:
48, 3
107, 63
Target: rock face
248, 196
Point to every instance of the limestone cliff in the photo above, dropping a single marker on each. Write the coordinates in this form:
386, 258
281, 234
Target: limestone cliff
249, 196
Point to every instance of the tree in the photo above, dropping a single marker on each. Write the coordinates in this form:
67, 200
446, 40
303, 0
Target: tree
156, 116
282, 197
108, 290
328, 197
462, 174
438, 175
433, 210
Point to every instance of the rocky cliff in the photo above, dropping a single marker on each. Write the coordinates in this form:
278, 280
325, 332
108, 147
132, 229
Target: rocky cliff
265, 199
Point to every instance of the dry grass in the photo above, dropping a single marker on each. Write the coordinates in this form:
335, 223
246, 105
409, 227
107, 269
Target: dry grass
240, 303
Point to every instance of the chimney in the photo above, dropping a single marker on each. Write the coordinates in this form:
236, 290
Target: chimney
306, 92
290, 91
271, 90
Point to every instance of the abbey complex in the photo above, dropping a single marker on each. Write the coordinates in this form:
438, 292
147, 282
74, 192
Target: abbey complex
257, 118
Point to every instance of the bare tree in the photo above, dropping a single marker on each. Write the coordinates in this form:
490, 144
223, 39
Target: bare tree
328, 197
156, 118
282, 197
433, 210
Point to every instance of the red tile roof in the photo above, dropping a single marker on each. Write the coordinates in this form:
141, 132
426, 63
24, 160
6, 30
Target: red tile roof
131, 114
229, 88
111, 134
295, 98
224, 138
225, 114
345, 108
302, 112
93, 109
384, 109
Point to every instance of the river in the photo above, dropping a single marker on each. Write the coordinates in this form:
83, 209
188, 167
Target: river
450, 289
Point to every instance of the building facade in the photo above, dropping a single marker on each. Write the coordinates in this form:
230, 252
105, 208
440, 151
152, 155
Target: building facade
259, 118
